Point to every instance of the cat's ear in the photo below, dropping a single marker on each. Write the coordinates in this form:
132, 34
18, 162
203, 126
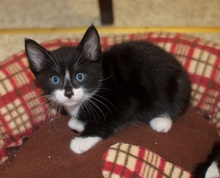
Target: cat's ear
90, 44
36, 55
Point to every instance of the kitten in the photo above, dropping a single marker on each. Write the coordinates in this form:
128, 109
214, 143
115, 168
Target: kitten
132, 82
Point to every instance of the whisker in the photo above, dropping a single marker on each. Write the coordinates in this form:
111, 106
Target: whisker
90, 109
81, 57
50, 111
81, 65
56, 65
105, 100
57, 109
46, 107
104, 79
103, 105
93, 103
98, 95
100, 88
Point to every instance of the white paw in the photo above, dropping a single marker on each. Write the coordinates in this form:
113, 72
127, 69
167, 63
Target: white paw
80, 145
161, 124
212, 171
76, 124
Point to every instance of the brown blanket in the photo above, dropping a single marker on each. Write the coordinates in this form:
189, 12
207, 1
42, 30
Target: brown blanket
47, 153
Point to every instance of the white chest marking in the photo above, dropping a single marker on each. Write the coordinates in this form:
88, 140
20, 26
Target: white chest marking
74, 123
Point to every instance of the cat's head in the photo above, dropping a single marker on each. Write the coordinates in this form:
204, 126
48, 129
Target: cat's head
68, 75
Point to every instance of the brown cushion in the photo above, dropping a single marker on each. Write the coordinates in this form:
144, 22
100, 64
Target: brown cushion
47, 153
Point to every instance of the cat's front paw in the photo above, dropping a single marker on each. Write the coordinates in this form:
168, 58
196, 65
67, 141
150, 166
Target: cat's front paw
76, 124
80, 145
161, 124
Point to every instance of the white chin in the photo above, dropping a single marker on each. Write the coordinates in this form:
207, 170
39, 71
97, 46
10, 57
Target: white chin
71, 103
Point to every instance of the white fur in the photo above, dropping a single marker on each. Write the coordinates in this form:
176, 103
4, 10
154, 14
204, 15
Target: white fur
76, 124
80, 145
67, 75
212, 171
77, 98
161, 124
73, 111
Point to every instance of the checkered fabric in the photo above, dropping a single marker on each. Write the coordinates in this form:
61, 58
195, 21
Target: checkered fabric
126, 160
23, 107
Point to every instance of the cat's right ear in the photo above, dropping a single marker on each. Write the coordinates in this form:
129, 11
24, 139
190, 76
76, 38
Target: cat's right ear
36, 55
90, 44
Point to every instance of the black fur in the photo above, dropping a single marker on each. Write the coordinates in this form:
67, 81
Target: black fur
133, 82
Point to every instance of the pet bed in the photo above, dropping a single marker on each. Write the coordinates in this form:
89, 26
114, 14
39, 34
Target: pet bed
136, 151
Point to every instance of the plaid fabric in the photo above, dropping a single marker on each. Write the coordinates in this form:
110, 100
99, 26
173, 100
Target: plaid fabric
22, 106
125, 160
23, 109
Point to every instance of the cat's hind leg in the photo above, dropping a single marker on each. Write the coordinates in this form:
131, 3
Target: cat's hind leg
212, 171
161, 124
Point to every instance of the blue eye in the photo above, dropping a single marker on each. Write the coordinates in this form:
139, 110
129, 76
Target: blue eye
80, 77
55, 80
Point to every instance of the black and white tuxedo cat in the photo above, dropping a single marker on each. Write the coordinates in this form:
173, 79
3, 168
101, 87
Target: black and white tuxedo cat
132, 82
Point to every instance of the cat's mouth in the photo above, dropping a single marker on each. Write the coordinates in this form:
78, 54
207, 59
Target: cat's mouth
76, 99
69, 102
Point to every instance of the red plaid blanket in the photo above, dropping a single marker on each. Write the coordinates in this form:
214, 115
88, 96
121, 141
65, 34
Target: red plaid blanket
125, 160
22, 109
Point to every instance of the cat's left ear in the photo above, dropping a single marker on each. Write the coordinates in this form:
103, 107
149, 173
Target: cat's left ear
90, 44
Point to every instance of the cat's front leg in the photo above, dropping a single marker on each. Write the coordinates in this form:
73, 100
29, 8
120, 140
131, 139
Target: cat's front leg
80, 145
93, 134
76, 124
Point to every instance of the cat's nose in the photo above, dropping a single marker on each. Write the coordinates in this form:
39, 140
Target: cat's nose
68, 93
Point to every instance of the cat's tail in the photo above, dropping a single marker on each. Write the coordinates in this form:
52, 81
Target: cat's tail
211, 167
